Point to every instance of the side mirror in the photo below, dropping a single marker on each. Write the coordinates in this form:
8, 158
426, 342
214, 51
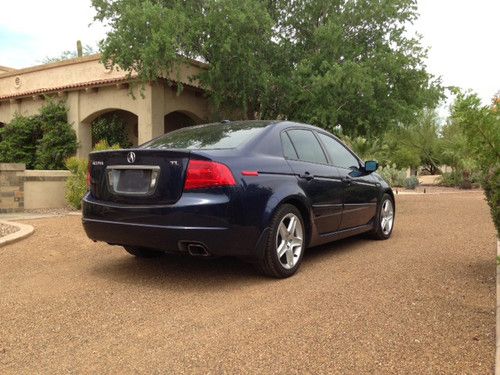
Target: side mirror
371, 166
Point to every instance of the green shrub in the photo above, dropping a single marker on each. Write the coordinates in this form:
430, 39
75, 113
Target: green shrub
19, 140
394, 176
459, 179
103, 145
449, 179
59, 138
491, 186
411, 182
367, 149
76, 184
112, 130
42, 141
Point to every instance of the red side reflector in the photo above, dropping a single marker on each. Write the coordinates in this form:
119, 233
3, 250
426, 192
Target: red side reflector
250, 173
206, 174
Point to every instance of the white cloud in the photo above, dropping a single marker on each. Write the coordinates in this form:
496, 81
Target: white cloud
463, 40
45, 28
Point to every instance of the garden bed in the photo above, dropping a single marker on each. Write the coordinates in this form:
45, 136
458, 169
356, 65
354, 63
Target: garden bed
7, 229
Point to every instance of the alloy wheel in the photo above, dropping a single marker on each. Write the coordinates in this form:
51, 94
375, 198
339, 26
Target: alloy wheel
289, 240
387, 217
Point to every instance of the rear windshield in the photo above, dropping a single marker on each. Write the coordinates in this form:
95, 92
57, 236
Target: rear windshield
209, 137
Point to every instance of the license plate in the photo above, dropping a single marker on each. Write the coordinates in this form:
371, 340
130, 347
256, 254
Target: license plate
136, 180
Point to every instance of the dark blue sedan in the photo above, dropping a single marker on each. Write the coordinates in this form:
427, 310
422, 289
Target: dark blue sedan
263, 191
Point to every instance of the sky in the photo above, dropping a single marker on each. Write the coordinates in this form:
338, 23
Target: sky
462, 37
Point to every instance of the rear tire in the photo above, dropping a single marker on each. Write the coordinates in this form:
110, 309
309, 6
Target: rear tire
142, 252
285, 244
384, 221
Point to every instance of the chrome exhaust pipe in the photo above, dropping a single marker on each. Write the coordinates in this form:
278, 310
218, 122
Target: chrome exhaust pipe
198, 250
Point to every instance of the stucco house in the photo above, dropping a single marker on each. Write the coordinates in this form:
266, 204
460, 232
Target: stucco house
90, 91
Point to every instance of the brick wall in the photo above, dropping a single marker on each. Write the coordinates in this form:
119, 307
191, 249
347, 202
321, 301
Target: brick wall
22, 189
11, 187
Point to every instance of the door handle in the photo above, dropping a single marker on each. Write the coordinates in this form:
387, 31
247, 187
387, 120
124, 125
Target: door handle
307, 176
347, 180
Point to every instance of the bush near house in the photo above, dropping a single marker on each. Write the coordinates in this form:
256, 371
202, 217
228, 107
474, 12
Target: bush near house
59, 138
19, 141
42, 141
76, 184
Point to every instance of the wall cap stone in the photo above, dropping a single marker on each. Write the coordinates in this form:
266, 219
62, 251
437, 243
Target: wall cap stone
12, 167
46, 173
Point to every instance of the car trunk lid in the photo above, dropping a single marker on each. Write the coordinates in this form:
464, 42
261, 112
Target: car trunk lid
138, 176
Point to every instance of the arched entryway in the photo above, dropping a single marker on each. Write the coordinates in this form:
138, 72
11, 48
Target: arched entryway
179, 119
116, 125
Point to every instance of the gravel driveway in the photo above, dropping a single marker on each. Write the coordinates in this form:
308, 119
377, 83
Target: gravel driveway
422, 302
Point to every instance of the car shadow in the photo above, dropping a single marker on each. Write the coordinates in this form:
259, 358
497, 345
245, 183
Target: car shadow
336, 248
192, 273
179, 272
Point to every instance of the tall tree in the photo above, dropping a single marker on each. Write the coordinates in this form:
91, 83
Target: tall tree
472, 143
334, 62
417, 144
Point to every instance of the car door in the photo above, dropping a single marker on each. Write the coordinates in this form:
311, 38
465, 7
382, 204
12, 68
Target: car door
360, 190
319, 180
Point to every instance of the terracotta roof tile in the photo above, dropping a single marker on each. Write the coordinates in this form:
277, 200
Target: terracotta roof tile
72, 86
75, 86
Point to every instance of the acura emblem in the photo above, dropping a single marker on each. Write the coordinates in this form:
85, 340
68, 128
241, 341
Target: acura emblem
131, 157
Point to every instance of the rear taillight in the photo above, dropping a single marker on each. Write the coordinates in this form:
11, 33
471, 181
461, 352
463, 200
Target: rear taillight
206, 174
89, 176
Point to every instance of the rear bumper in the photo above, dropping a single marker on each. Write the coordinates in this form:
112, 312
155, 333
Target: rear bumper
201, 219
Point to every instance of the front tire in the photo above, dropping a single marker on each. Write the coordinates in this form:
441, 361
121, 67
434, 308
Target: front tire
142, 252
384, 221
285, 244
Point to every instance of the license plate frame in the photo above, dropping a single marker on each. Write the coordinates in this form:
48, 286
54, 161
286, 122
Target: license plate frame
114, 174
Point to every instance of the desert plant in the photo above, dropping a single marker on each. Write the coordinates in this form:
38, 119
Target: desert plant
416, 144
76, 184
367, 148
394, 176
449, 179
411, 182
103, 145
455, 178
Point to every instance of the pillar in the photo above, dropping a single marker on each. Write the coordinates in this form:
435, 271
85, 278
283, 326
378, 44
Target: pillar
151, 112
82, 130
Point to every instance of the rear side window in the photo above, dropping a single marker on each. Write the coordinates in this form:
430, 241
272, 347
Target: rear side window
288, 150
307, 146
339, 155
210, 136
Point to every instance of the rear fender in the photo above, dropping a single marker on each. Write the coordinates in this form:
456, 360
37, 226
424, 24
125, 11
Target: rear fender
295, 197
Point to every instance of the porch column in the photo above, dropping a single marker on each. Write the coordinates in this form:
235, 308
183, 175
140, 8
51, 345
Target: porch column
151, 112
82, 130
